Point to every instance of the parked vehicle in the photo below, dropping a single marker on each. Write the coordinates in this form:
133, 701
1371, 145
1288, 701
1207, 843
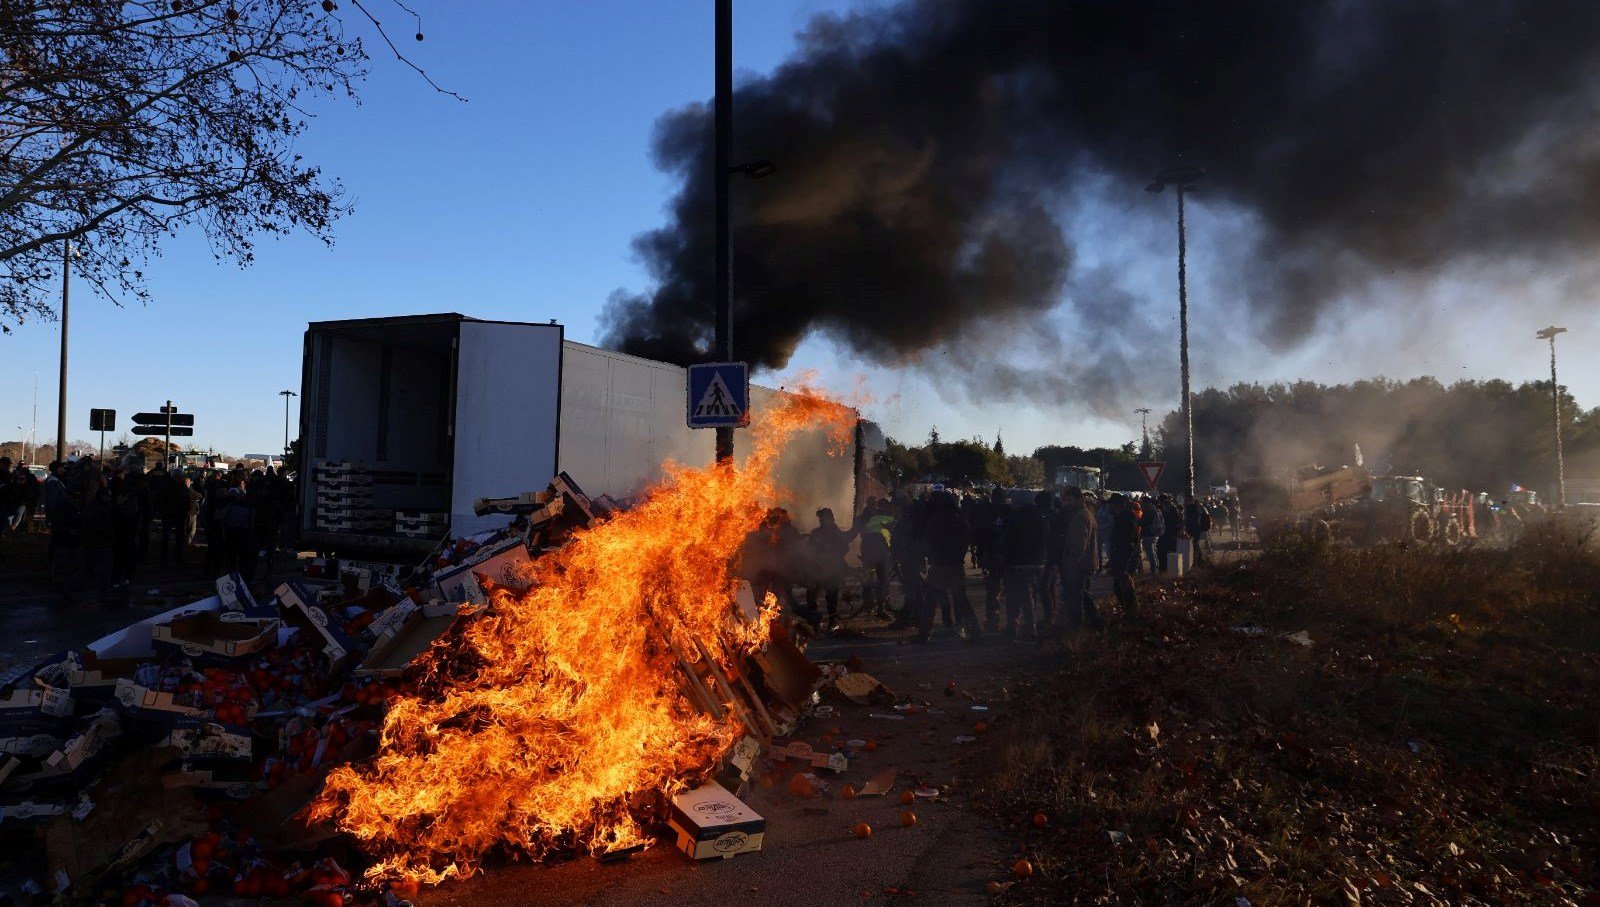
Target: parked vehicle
415, 418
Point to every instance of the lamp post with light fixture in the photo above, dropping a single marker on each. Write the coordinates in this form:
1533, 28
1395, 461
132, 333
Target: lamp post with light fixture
1549, 334
1182, 178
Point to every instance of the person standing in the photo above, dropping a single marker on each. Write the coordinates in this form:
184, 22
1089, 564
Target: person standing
1197, 521
876, 555
989, 537
177, 518
1151, 525
1025, 541
910, 556
948, 536
1080, 550
1102, 519
825, 550
237, 520
99, 541
1124, 549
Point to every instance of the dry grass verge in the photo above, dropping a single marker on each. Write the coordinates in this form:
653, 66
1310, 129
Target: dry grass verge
1436, 742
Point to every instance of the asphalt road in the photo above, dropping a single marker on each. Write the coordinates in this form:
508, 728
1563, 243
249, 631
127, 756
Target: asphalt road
810, 856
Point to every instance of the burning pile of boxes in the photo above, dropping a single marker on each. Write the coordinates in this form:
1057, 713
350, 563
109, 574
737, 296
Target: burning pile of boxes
176, 755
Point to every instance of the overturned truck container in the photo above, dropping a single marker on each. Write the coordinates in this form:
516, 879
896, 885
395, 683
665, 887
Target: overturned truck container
406, 421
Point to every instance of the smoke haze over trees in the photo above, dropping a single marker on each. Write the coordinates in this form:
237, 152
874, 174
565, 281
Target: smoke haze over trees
1477, 435
941, 161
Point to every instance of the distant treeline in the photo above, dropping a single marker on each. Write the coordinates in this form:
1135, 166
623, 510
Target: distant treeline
1480, 435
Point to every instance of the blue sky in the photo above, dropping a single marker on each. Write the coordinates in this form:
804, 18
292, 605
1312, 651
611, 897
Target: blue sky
520, 204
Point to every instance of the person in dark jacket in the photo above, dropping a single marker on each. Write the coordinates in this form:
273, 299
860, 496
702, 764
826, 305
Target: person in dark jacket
1197, 520
769, 559
98, 538
1123, 551
825, 548
178, 504
1025, 541
988, 536
911, 558
948, 536
237, 520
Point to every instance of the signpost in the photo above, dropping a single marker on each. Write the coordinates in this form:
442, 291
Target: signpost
719, 395
169, 423
1152, 470
102, 421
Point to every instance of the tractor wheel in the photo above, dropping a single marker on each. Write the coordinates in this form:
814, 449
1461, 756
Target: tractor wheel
1452, 534
1419, 528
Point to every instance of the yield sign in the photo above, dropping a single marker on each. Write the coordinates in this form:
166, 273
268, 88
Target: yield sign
1152, 472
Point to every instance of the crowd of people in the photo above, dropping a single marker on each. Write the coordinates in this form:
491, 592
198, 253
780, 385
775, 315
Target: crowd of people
103, 517
1038, 553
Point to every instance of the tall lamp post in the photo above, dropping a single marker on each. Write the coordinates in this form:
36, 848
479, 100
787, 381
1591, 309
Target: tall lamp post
1144, 428
61, 399
286, 395
722, 338
1549, 334
1183, 179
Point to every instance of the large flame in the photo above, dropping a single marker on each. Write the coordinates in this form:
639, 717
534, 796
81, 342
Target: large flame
554, 713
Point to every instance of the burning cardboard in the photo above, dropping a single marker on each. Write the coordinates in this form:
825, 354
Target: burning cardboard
406, 631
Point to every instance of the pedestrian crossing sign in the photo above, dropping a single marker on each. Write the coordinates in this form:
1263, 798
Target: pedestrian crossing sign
719, 395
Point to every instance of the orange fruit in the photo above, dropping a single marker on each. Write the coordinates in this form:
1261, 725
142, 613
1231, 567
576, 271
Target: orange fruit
871, 745
847, 792
907, 797
908, 818
1040, 820
980, 727
863, 830
1022, 868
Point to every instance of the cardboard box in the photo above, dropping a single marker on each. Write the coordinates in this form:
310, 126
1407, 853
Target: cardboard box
302, 611
236, 599
208, 637
207, 740
146, 704
81, 752
406, 632
506, 564
31, 812
710, 822
42, 708
95, 678
32, 746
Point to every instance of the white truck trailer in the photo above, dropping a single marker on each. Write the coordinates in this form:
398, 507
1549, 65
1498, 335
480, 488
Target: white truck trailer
425, 414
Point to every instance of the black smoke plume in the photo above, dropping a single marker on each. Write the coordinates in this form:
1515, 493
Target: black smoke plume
935, 158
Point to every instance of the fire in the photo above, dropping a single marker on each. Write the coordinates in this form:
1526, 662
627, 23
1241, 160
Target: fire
557, 713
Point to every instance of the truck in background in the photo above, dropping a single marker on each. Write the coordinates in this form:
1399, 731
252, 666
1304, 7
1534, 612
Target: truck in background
406, 421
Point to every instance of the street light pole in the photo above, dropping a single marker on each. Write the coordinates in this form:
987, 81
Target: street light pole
1549, 334
1182, 178
61, 399
723, 115
1144, 428
286, 395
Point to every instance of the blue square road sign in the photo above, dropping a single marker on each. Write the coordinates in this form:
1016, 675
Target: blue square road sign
719, 395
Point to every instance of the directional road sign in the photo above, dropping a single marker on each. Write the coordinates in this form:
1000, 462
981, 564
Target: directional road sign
1152, 473
161, 419
102, 420
177, 432
719, 395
